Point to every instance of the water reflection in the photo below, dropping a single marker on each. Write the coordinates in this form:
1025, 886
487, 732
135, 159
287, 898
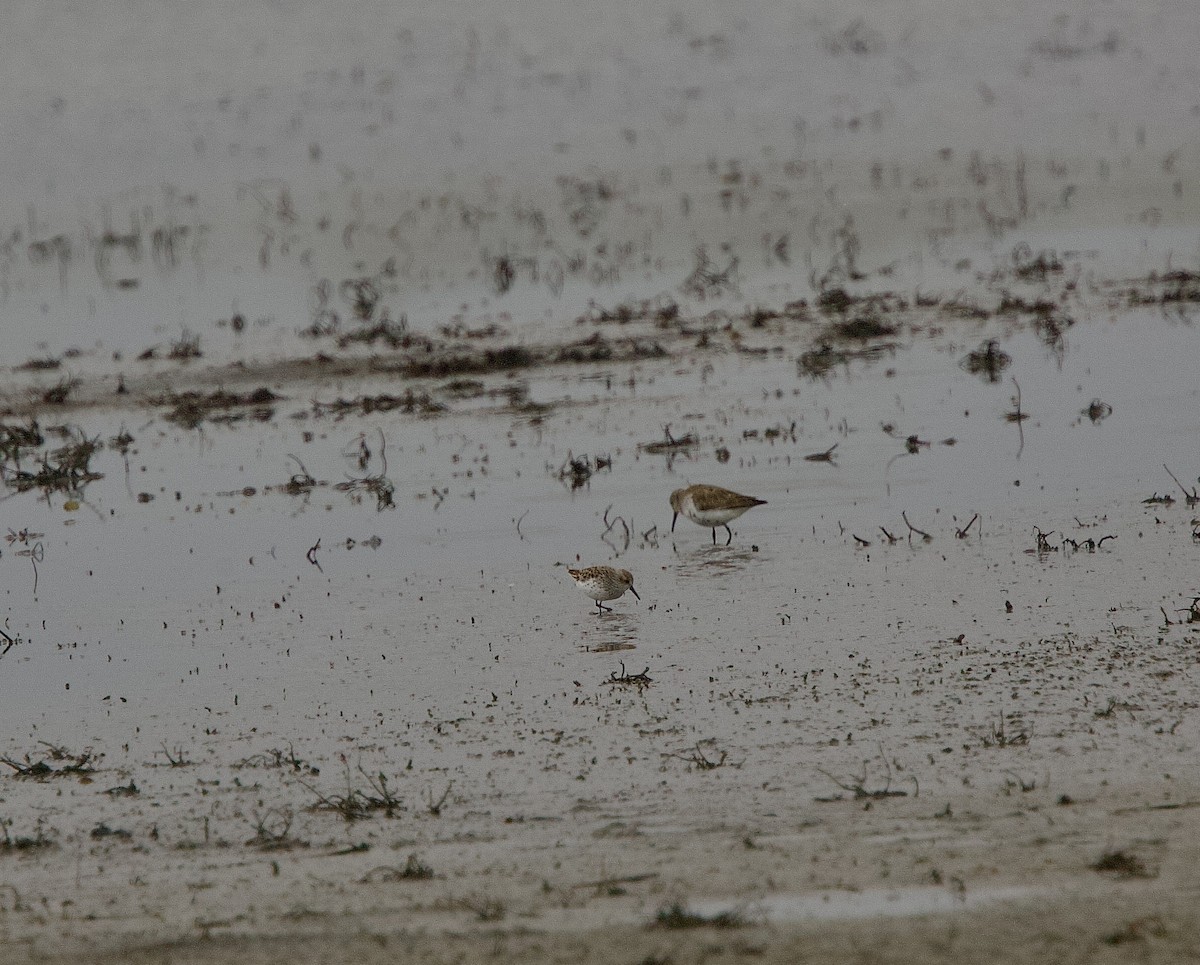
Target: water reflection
611, 632
704, 560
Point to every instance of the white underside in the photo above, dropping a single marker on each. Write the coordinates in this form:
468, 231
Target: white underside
711, 517
599, 591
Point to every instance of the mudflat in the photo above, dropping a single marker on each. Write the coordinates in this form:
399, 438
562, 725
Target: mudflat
330, 343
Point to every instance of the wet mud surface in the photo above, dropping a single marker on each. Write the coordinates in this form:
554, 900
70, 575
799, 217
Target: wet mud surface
292, 469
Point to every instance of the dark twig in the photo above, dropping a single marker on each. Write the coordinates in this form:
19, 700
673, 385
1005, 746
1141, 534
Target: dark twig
641, 680
697, 759
826, 456
912, 529
1191, 498
857, 786
609, 526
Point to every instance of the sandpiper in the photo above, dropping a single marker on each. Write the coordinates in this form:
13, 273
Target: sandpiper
711, 506
603, 583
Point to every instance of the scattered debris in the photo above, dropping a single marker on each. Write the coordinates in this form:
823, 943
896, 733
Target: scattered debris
670, 444
1122, 864
358, 803
641, 680
68, 763
677, 916
414, 870
826, 456
989, 360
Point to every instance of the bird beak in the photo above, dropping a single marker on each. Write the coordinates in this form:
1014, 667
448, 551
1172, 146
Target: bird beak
673, 518
633, 591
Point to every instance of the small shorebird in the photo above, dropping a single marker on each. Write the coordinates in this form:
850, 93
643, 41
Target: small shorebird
711, 506
603, 583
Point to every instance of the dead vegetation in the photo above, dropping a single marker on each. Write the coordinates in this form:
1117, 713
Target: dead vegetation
15, 439
414, 870
1122, 864
858, 789
1138, 930
187, 346
1001, 733
483, 907
272, 831
701, 761
192, 409
54, 761
987, 361
40, 365
640, 680
17, 844
420, 403
176, 756
709, 280
357, 803
1176, 289
677, 915
670, 444
277, 758
662, 311
66, 469
577, 471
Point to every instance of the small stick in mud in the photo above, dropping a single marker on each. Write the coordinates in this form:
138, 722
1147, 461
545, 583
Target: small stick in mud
356, 803
670, 444
857, 786
9, 642
1190, 497
998, 736
609, 885
962, 533
912, 529
826, 456
610, 526
435, 807
640, 680
1043, 541
301, 482
518, 522
311, 555
860, 541
698, 759
176, 758
888, 536
414, 870
484, 908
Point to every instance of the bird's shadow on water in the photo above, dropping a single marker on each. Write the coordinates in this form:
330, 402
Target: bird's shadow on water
609, 632
693, 561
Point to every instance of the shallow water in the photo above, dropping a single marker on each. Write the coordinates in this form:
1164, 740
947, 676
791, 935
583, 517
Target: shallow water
501, 186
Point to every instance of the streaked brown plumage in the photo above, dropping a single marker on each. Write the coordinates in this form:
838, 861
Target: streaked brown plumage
603, 583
